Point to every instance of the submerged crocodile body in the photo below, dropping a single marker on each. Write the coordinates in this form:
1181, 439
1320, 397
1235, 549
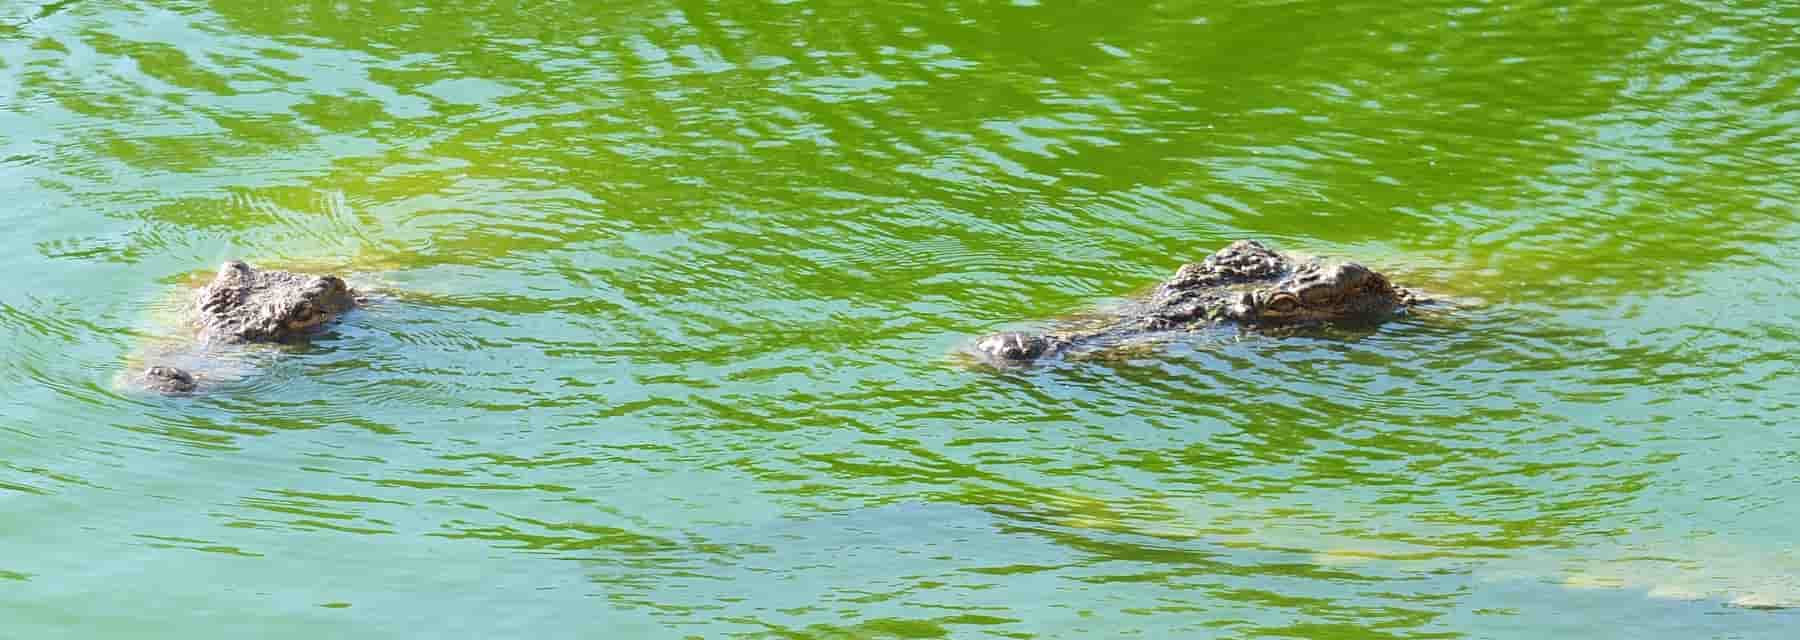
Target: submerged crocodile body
1245, 283
243, 305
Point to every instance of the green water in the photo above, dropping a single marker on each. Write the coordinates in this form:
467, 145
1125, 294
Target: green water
676, 288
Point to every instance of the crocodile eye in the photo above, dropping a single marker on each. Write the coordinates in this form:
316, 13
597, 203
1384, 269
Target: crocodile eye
1283, 303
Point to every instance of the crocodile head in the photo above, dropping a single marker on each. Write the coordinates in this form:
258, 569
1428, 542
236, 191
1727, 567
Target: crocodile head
1319, 292
245, 304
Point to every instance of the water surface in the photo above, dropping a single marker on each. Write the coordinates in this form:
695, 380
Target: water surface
675, 289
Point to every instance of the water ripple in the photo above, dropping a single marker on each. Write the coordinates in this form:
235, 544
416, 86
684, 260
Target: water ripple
661, 297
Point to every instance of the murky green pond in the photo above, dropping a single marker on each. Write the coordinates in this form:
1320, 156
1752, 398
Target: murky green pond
676, 288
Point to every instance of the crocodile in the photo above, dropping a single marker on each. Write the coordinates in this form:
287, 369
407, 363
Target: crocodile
244, 305
1246, 283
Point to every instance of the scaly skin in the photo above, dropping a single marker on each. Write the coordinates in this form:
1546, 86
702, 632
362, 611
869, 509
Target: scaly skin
243, 304
1245, 283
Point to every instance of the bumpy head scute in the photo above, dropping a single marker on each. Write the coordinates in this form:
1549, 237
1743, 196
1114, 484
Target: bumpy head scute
1318, 292
243, 304
1244, 261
